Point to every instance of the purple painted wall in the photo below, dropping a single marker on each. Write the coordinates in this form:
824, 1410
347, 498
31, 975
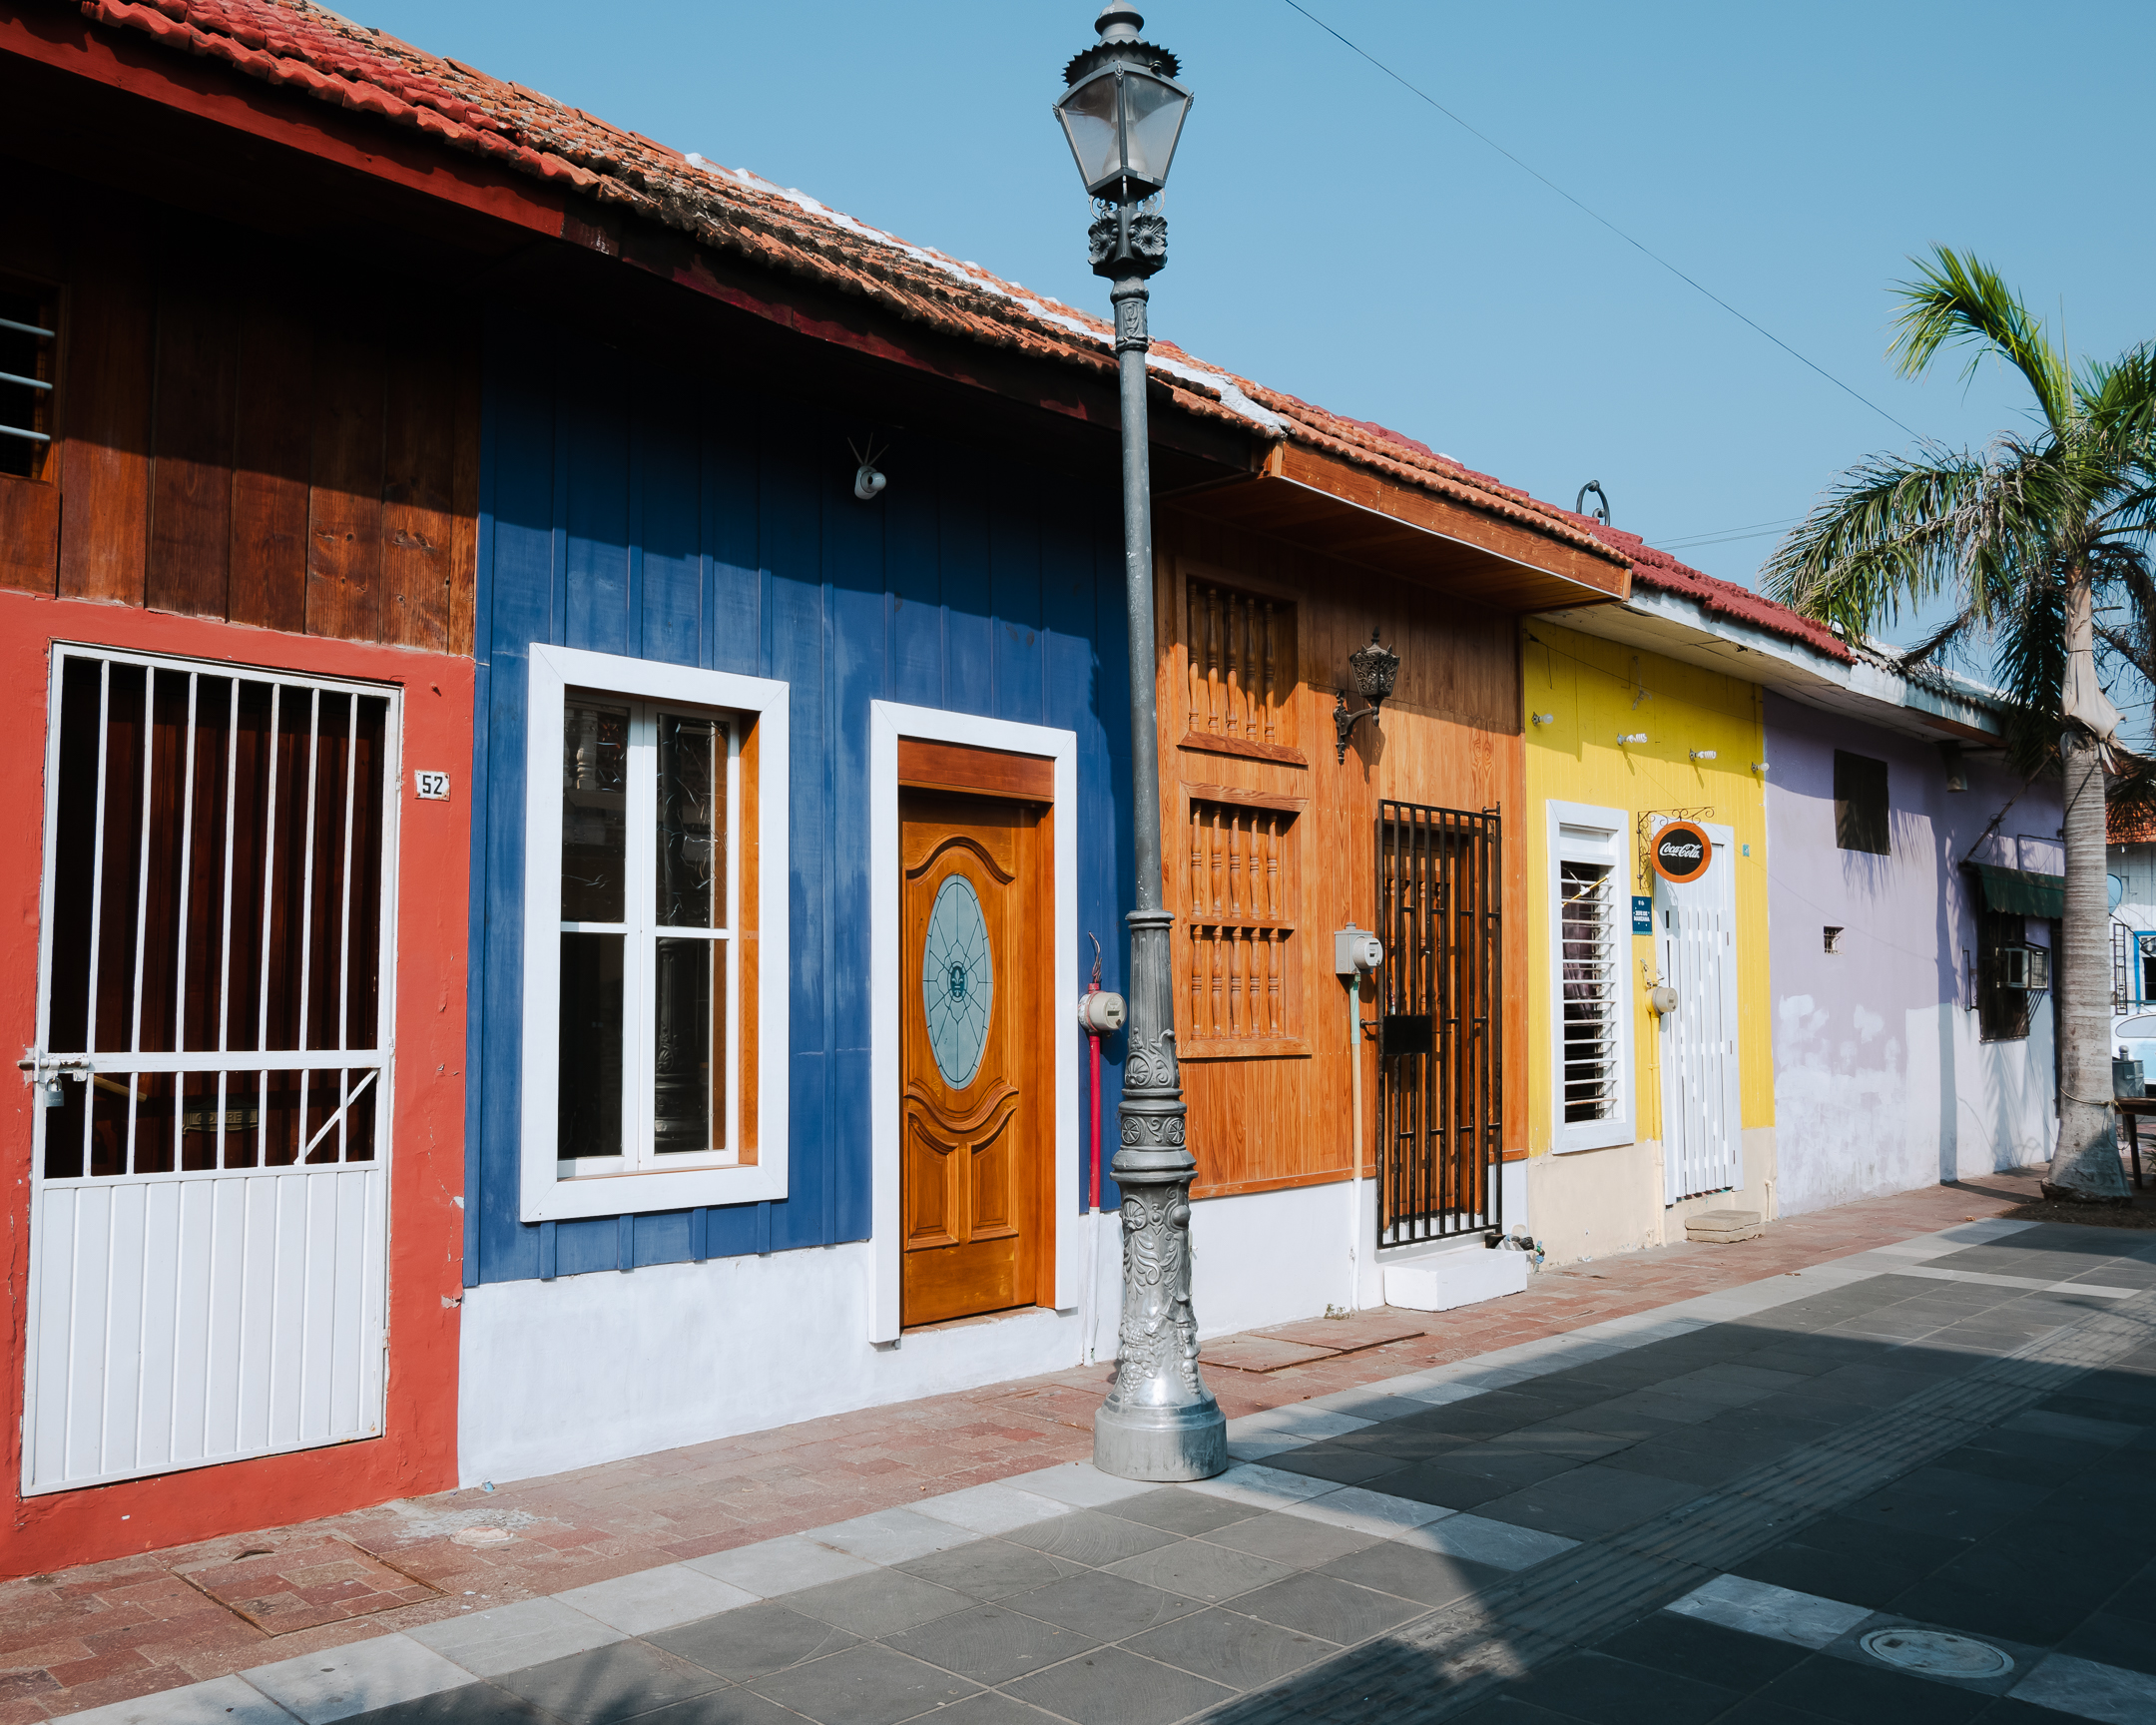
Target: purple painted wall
1881, 1081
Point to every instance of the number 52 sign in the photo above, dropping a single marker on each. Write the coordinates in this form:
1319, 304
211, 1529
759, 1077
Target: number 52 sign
431, 786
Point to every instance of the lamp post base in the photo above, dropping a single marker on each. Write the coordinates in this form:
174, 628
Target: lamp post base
1161, 1444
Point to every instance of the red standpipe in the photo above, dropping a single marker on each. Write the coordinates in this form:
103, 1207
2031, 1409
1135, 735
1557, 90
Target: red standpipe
1093, 1036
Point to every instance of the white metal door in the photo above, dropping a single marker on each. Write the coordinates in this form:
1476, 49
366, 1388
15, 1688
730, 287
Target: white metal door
1696, 944
210, 1198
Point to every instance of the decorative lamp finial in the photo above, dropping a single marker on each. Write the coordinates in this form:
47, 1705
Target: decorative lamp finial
1118, 22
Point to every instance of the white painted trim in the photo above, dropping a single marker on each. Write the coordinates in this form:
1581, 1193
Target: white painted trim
887, 721
1622, 1127
543, 1196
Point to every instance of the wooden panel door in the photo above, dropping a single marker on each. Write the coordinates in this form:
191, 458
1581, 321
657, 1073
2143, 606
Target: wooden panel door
974, 1061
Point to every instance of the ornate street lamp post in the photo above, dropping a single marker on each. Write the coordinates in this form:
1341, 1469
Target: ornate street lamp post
1122, 114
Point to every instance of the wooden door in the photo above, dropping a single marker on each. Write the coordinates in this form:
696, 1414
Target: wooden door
974, 1061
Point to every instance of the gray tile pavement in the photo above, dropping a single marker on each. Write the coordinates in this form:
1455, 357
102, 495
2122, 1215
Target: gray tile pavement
1351, 1525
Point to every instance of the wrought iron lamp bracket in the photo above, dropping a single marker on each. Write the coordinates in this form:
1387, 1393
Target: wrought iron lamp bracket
1344, 721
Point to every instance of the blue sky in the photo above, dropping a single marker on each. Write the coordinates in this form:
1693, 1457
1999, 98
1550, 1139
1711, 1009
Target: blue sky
1334, 237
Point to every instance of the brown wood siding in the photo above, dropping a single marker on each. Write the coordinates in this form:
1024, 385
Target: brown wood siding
249, 430
1278, 1115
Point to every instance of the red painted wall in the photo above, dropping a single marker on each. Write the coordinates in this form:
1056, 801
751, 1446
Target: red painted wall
417, 1451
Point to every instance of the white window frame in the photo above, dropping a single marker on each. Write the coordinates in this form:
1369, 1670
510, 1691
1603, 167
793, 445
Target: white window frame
629, 1186
1584, 832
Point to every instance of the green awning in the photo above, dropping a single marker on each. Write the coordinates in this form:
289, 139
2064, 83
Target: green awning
2021, 894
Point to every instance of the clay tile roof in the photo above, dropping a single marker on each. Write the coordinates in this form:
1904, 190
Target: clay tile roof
2130, 824
1659, 570
306, 47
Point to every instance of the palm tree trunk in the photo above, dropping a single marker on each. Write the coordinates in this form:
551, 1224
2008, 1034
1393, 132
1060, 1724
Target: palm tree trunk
2085, 1164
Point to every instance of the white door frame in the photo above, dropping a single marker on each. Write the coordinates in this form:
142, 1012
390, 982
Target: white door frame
887, 721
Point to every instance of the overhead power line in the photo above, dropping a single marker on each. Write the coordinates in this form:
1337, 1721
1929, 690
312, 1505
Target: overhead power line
1724, 535
1586, 210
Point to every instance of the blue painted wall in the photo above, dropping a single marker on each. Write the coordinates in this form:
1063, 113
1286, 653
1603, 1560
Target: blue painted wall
630, 506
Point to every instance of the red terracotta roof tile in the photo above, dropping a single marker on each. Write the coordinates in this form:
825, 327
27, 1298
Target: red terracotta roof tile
1660, 571
2130, 824
303, 46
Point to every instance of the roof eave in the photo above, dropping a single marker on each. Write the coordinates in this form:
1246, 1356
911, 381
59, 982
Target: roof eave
1857, 688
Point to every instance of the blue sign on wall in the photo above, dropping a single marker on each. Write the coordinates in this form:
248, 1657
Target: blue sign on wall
1643, 914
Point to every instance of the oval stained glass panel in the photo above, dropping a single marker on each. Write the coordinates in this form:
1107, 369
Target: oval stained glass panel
957, 981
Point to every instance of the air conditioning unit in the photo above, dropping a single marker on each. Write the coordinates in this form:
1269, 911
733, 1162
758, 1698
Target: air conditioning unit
2027, 968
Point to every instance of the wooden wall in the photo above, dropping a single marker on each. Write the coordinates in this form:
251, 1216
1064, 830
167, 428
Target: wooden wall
249, 430
1276, 1112
652, 501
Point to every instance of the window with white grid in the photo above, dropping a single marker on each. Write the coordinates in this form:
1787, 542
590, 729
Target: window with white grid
1591, 996
655, 938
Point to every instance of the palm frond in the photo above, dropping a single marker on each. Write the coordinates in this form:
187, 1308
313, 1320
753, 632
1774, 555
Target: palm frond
1947, 639
1958, 300
2029, 667
1899, 530
2118, 396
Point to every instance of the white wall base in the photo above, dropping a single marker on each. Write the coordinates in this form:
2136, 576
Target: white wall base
1592, 1203
1863, 1112
1262, 1258
1454, 1276
589, 1368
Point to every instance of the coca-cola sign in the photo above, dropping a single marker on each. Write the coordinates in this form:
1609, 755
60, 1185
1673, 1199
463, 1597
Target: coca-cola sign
1681, 852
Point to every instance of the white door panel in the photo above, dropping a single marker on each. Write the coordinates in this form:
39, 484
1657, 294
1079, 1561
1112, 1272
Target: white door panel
1696, 944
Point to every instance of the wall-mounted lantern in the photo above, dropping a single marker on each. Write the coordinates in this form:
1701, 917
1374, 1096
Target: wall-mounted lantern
1375, 668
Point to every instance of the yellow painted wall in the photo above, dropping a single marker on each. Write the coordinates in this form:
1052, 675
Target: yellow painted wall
1598, 691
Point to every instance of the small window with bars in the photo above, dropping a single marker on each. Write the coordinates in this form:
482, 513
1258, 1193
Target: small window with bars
1242, 962
1592, 1006
29, 376
1241, 667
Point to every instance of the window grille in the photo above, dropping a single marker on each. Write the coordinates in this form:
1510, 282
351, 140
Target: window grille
1592, 991
1241, 922
29, 363
1242, 666
214, 977
2003, 1008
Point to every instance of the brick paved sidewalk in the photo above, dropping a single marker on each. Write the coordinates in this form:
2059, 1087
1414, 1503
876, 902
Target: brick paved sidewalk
110, 1632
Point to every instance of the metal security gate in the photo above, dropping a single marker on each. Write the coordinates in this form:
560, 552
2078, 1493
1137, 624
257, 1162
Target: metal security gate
1440, 1024
209, 1196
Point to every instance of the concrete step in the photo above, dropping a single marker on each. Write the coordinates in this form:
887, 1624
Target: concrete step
1720, 1226
1447, 1276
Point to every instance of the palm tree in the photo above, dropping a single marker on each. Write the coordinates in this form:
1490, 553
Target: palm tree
2025, 541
